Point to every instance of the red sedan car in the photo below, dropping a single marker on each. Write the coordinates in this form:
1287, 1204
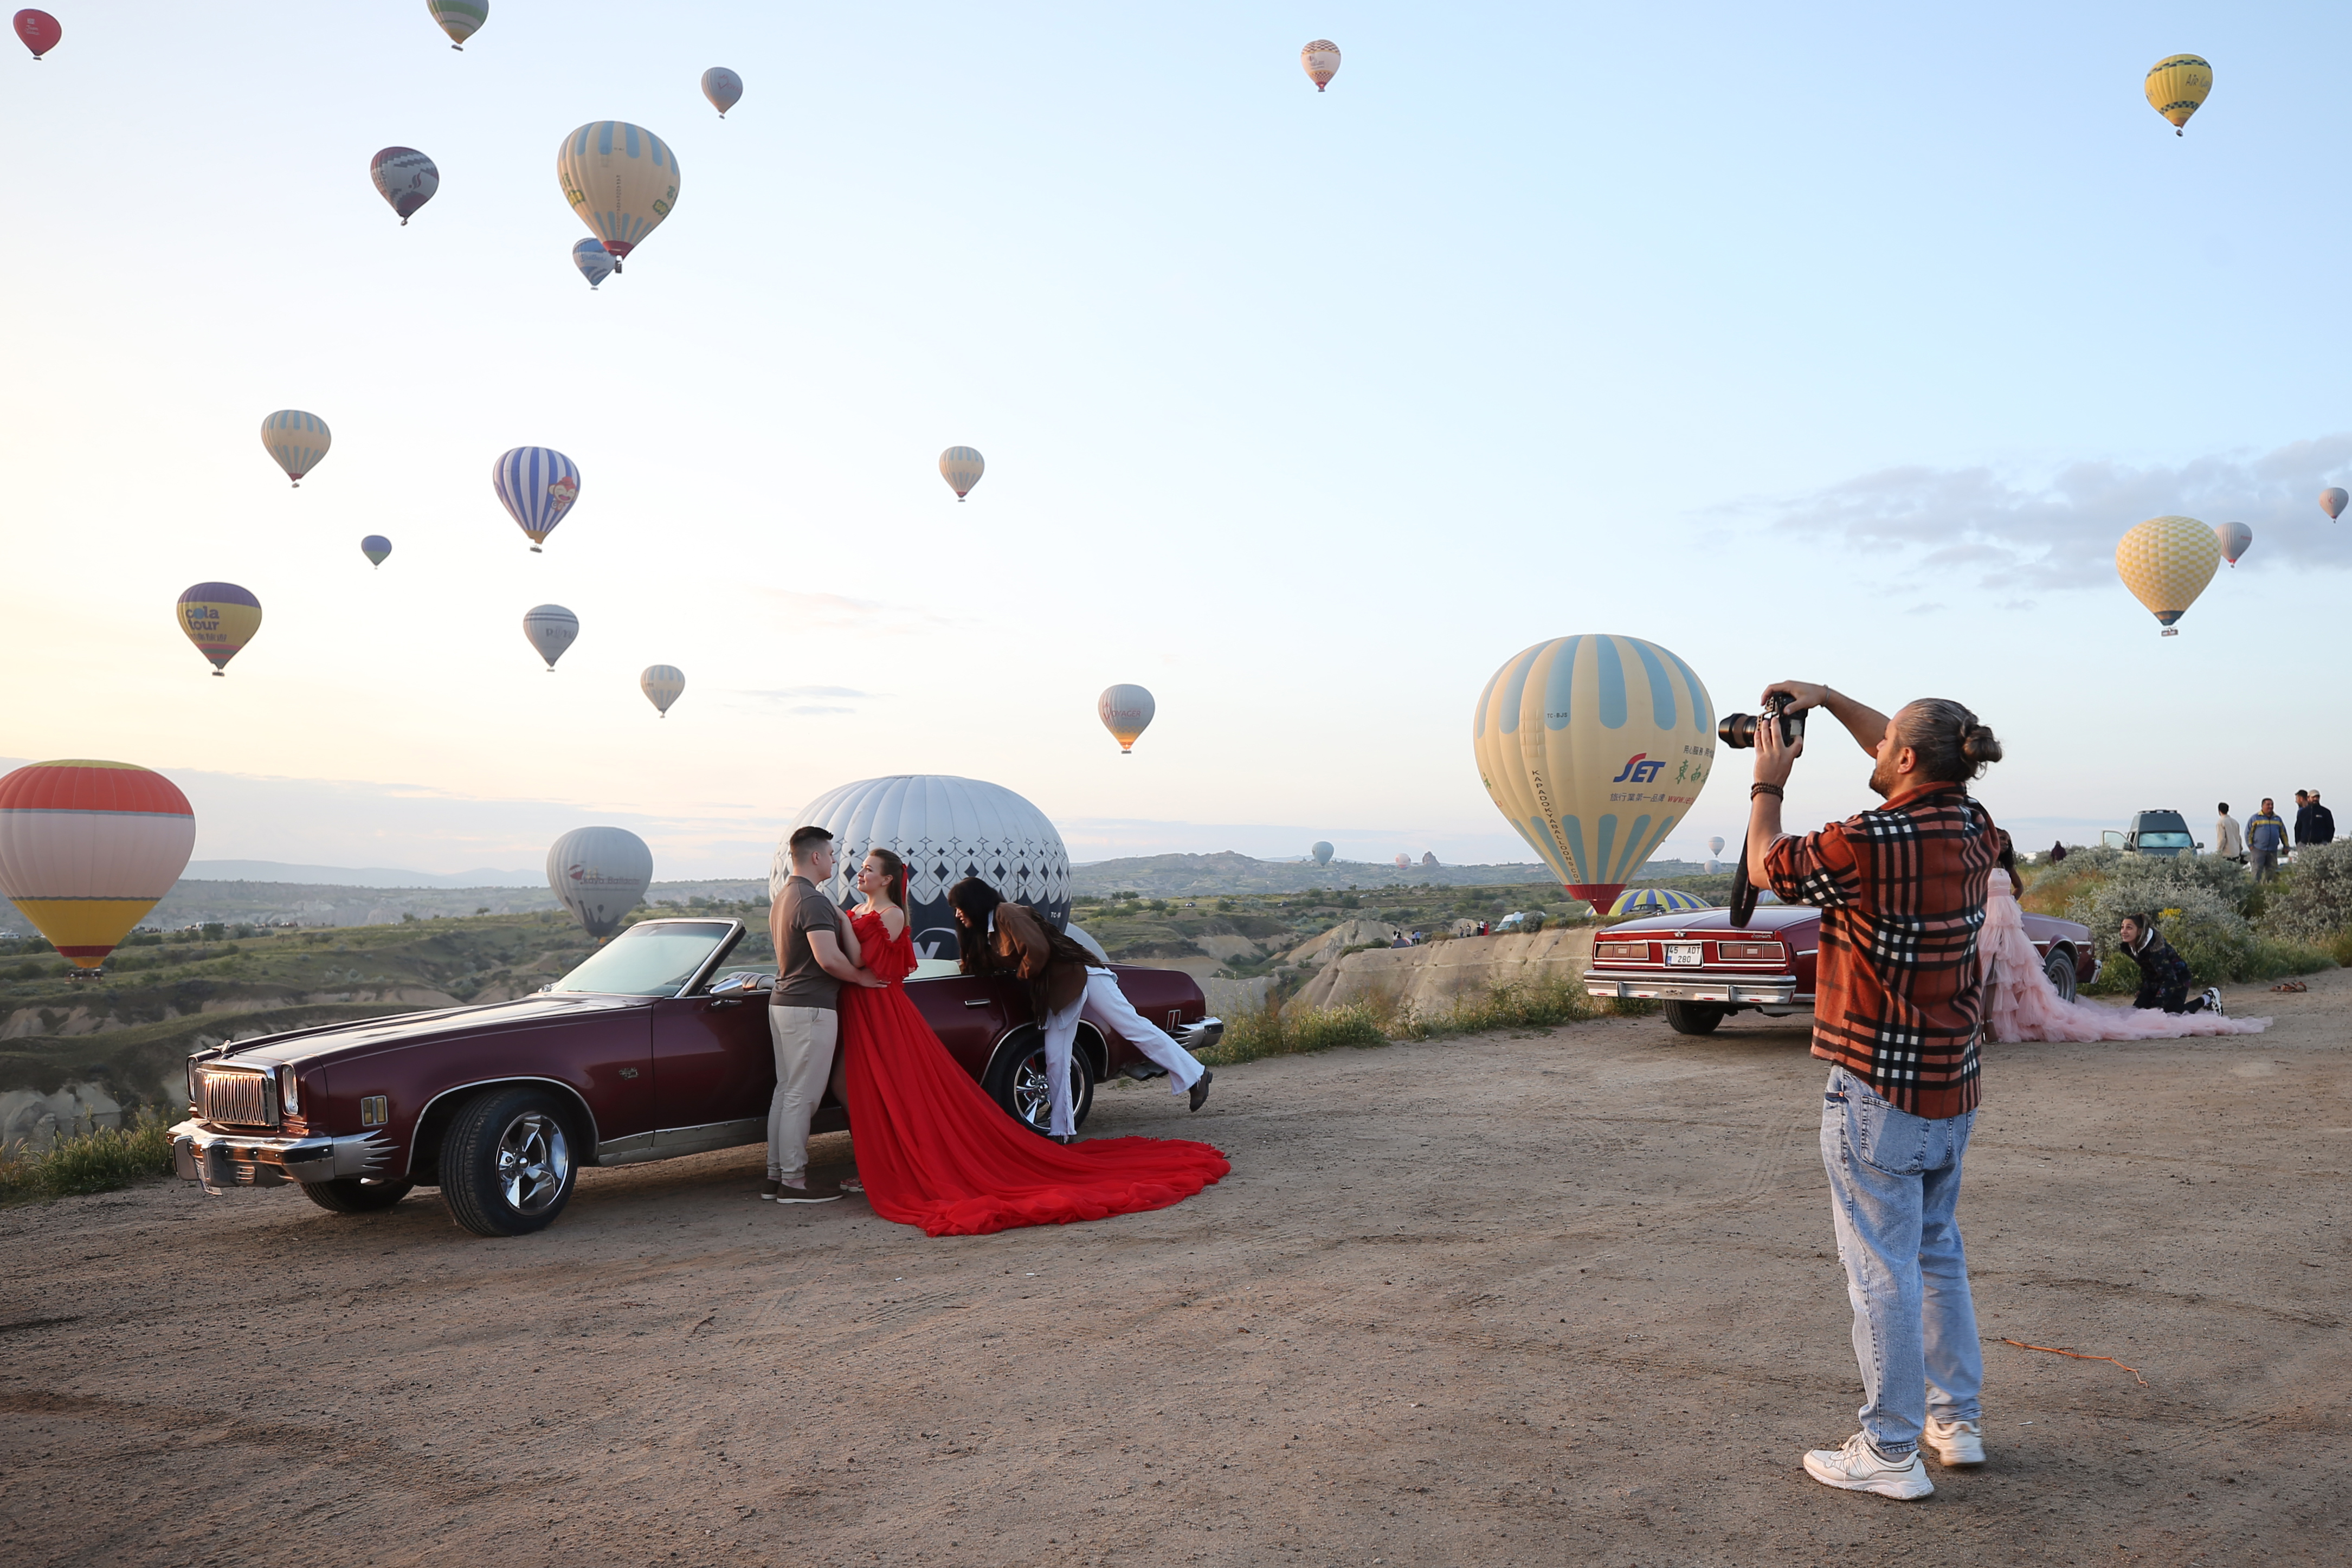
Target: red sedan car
1704, 968
649, 1049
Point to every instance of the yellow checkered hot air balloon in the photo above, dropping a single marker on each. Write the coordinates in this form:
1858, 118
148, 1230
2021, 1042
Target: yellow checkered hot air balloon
2167, 562
2177, 84
1594, 747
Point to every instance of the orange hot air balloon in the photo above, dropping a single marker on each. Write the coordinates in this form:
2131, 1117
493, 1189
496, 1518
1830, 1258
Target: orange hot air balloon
86, 848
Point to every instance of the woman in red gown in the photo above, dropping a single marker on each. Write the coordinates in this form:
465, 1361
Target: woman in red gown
933, 1149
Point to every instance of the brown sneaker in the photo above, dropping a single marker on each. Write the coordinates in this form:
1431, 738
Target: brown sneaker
806, 1194
768, 1191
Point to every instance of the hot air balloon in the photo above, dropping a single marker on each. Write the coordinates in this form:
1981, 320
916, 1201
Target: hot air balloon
1321, 60
2331, 501
599, 873
461, 19
595, 262
1125, 711
551, 629
962, 467
1654, 901
2177, 85
1714, 846
40, 32
663, 684
2234, 538
406, 178
296, 440
946, 828
623, 182
220, 618
2167, 562
723, 87
537, 485
375, 546
1594, 748
1403, 863
86, 848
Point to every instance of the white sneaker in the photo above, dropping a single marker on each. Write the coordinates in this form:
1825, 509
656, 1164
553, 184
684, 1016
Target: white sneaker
2214, 1001
1954, 1443
1857, 1466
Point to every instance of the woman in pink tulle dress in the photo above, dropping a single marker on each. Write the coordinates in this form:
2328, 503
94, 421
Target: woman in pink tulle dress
2021, 1004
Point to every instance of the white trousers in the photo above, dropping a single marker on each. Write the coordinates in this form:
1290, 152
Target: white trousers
1112, 1009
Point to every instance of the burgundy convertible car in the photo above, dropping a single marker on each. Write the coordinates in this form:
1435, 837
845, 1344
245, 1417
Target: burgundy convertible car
1704, 968
647, 1050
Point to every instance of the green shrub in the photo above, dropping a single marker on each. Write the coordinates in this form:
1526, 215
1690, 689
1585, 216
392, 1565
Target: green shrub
2316, 901
96, 1160
2217, 942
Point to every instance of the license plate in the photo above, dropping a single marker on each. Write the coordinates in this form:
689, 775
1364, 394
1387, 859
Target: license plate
1690, 953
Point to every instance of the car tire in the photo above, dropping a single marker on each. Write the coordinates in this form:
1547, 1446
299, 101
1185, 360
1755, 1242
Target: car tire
2061, 970
507, 1167
1016, 1082
352, 1194
1695, 1018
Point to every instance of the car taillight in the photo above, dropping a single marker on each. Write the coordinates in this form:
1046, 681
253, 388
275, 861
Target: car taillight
1751, 952
1631, 952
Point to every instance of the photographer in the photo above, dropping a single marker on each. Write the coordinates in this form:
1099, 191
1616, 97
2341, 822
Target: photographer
1896, 1011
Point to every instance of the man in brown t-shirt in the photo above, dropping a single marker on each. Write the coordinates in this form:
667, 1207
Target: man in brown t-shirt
804, 1012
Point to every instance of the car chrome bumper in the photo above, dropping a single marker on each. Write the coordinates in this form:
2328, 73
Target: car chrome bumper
1763, 990
1197, 1038
223, 1160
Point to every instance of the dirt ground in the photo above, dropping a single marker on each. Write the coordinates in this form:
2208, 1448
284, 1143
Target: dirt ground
1563, 1298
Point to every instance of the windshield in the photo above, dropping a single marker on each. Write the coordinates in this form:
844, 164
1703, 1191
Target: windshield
2164, 840
651, 960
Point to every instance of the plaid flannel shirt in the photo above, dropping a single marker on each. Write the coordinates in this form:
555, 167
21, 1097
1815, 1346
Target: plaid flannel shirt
1902, 896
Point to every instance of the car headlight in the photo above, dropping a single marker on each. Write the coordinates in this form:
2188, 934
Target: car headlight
290, 1091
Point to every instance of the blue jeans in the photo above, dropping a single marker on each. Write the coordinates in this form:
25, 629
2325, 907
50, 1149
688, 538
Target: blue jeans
1895, 1188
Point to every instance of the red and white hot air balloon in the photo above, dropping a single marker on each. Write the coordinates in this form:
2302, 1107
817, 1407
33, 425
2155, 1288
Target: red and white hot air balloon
1320, 60
88, 848
40, 30
2331, 501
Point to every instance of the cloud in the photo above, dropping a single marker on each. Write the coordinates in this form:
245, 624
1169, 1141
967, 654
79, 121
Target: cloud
838, 613
2058, 529
817, 708
786, 694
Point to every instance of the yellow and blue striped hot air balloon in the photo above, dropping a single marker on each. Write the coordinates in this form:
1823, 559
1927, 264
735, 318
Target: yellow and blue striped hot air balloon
297, 441
220, 619
622, 181
1654, 901
1594, 747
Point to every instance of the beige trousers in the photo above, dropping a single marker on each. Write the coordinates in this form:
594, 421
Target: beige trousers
807, 1060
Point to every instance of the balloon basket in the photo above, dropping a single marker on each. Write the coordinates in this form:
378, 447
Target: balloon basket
2170, 631
220, 674
534, 550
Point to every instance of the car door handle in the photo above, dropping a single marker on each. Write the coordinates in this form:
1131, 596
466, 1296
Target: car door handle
982, 1002
717, 1002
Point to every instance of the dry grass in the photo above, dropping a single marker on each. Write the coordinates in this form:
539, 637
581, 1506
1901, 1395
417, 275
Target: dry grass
95, 1159
1277, 1030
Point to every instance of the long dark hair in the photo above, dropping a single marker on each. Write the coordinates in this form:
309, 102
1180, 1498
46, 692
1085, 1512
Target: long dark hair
975, 898
895, 869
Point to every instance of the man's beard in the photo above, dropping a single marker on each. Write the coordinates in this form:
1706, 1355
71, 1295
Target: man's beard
1883, 778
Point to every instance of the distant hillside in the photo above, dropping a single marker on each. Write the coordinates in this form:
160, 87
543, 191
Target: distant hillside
1168, 876
356, 876
195, 901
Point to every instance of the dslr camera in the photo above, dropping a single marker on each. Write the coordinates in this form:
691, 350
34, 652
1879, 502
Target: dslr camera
1738, 730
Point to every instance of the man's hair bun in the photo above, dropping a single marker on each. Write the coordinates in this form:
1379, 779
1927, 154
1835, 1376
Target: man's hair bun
1977, 745
1952, 747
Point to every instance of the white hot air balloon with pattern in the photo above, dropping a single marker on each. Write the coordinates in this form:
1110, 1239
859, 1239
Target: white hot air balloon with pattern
537, 485
962, 467
663, 684
2332, 500
595, 262
551, 628
1320, 60
2166, 562
2234, 538
461, 19
723, 87
295, 441
1594, 748
945, 829
599, 873
622, 181
404, 178
1126, 711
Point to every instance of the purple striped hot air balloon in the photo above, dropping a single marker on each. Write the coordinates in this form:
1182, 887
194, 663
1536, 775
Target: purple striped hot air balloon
538, 486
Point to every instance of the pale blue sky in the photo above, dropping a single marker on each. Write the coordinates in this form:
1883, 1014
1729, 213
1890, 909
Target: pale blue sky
1837, 345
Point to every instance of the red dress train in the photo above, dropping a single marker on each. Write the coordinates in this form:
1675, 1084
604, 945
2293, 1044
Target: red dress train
934, 1150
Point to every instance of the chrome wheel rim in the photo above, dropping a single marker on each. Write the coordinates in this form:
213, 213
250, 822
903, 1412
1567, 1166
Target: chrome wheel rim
534, 1162
1033, 1094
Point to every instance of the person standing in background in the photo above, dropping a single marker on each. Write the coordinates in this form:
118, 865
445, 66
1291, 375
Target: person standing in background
2228, 843
2302, 818
2265, 838
2323, 822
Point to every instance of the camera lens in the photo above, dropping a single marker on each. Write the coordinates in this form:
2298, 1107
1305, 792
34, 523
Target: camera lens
1738, 730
